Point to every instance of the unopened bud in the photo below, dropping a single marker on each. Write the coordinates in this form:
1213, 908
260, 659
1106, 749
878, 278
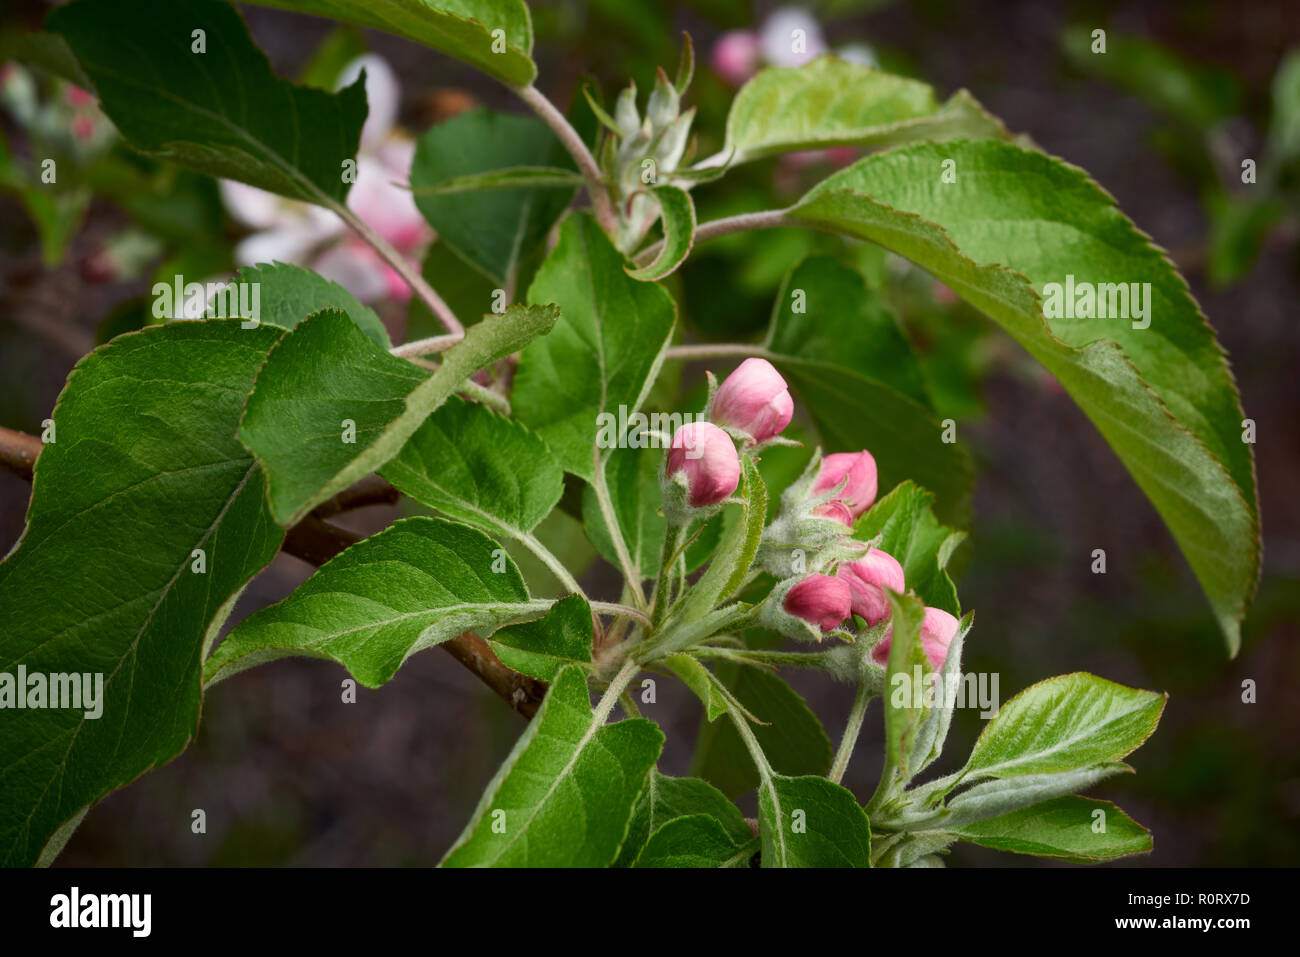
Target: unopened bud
754, 399
868, 578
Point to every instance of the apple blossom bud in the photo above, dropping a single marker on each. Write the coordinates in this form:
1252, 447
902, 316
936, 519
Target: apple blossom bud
860, 470
735, 56
938, 629
706, 458
836, 510
868, 578
753, 399
820, 600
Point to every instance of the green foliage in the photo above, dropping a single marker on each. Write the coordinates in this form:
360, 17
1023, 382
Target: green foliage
325, 374
565, 795
459, 28
1014, 221
603, 353
143, 475
251, 126
412, 586
467, 184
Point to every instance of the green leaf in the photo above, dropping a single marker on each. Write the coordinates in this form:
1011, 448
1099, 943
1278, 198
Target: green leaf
326, 372
565, 794
222, 112
810, 822
830, 102
1197, 95
1064, 829
666, 799
905, 715
612, 329
677, 215
477, 466
840, 346
514, 177
910, 533
1004, 795
414, 585
793, 739
541, 648
1064, 723
1016, 220
490, 229
143, 471
696, 677
289, 294
459, 28
696, 840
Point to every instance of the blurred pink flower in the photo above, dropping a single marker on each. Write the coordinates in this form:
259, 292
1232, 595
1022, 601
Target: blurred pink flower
303, 234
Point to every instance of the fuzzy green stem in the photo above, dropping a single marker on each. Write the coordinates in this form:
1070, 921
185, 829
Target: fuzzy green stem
851, 732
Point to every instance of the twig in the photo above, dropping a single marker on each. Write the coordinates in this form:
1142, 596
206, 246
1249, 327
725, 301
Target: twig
601, 204
316, 541
424, 347
401, 265
18, 452
371, 490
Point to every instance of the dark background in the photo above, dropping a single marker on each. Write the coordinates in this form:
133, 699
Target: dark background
287, 774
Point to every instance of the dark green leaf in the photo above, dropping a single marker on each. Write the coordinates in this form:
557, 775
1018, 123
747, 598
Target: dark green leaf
221, 112
144, 471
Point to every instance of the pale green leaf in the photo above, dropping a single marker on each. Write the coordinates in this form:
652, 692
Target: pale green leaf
565, 794
326, 373
416, 584
1065, 828
677, 216
1064, 723
830, 102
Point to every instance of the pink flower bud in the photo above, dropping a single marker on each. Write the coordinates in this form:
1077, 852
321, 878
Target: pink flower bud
868, 578
938, 629
754, 399
707, 457
837, 510
819, 600
735, 56
859, 468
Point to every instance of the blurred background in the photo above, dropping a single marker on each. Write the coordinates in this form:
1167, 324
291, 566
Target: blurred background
289, 775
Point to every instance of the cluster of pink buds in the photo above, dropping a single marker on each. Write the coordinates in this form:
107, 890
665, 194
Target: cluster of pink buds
825, 577
702, 468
